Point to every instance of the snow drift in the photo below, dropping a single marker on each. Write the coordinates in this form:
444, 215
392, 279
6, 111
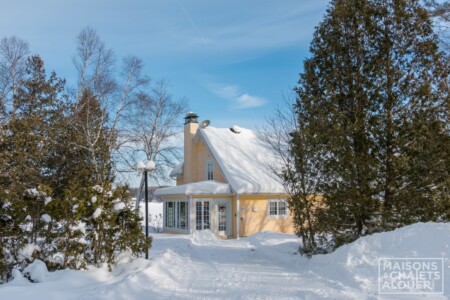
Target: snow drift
265, 266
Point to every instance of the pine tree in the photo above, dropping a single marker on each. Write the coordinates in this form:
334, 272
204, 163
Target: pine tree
334, 92
53, 180
411, 128
24, 171
374, 92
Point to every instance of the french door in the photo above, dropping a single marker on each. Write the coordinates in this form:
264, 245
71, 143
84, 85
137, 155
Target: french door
223, 218
202, 215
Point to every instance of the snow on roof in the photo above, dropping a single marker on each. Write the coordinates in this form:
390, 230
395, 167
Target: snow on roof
245, 159
177, 171
196, 188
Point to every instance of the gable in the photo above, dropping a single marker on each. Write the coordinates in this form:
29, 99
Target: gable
203, 155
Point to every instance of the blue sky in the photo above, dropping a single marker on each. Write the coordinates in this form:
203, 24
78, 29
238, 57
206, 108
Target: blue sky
231, 60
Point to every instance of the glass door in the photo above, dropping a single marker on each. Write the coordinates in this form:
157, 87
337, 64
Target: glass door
202, 216
222, 219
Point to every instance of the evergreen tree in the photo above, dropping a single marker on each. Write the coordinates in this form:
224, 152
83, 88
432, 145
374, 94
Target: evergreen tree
24, 171
411, 128
333, 92
57, 201
374, 92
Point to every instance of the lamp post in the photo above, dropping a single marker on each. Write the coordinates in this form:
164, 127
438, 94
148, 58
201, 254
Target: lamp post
149, 166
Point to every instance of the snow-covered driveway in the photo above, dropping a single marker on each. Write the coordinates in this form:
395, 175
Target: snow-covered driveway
263, 266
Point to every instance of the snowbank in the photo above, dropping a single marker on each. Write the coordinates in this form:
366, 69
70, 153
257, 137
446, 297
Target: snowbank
263, 266
36, 271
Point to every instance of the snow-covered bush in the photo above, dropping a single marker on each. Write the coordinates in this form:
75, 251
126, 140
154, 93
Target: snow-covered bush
114, 226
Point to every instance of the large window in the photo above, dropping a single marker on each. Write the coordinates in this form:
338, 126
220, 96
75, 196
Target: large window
277, 208
176, 215
210, 170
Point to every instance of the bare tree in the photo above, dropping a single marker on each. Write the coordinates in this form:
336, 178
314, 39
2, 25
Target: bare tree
94, 64
440, 12
153, 131
13, 55
439, 9
142, 120
112, 96
297, 173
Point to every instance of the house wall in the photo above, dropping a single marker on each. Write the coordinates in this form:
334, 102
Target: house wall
202, 155
195, 157
180, 180
213, 202
255, 216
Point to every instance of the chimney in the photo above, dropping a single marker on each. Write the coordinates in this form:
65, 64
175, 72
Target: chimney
191, 118
190, 129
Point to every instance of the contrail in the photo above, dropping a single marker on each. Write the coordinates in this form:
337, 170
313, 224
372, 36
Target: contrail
192, 22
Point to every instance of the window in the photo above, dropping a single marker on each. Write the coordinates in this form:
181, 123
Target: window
209, 170
277, 208
170, 214
176, 215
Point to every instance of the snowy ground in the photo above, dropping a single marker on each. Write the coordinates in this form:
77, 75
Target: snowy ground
155, 211
263, 266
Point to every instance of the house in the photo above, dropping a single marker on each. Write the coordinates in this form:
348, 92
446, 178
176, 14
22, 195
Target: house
225, 184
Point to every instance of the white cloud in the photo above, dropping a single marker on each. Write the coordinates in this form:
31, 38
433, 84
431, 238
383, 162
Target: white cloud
238, 99
247, 101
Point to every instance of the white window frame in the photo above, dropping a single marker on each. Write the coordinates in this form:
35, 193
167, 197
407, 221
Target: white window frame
209, 163
176, 215
277, 205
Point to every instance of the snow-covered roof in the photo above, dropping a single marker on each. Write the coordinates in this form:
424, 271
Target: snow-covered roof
210, 187
177, 171
245, 160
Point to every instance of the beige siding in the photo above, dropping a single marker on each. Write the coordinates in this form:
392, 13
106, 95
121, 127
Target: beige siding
201, 156
180, 180
255, 217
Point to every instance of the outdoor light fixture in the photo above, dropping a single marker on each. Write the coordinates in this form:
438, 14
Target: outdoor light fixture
141, 167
